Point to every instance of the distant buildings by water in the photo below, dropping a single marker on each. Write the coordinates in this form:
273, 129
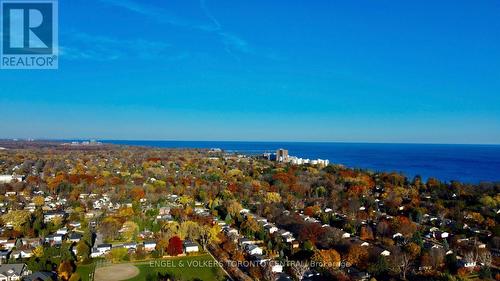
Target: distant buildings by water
83, 143
281, 155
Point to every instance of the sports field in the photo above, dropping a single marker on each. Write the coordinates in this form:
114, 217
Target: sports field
201, 267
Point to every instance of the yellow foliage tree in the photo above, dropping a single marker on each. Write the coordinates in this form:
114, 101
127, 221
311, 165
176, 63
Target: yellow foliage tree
17, 218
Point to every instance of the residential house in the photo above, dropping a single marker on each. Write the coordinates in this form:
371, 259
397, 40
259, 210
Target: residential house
54, 239
4, 256
149, 246
243, 241
51, 215
41, 276
10, 178
75, 224
104, 247
467, 263
21, 254
385, 253
75, 237
130, 245
31, 242
13, 272
253, 250
190, 246
260, 259
62, 231
270, 228
9, 244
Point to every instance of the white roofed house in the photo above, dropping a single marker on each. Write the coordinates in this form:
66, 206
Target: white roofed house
31, 242
288, 238
270, 228
54, 239
253, 250
467, 261
51, 215
190, 247
10, 178
231, 233
385, 253
130, 245
75, 224
21, 254
243, 241
244, 212
283, 232
100, 250
149, 246
9, 244
441, 234
62, 231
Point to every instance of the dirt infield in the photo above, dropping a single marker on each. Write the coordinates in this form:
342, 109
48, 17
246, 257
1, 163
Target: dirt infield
116, 272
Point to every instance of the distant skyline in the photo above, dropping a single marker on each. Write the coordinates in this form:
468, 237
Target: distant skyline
332, 71
283, 142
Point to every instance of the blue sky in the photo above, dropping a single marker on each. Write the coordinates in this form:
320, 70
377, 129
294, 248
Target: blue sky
367, 71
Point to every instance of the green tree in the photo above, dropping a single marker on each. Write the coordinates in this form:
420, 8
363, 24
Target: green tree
83, 250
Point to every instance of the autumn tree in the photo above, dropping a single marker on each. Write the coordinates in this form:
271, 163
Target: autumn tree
233, 208
110, 228
137, 193
404, 226
189, 229
357, 255
209, 234
413, 249
311, 232
17, 218
174, 246
129, 230
366, 233
39, 201
64, 270
327, 259
250, 226
272, 197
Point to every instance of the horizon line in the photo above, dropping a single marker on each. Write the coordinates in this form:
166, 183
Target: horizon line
245, 141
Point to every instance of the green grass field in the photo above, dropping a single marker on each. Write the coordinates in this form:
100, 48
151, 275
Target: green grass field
201, 267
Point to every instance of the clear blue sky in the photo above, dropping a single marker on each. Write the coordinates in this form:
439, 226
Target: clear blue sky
370, 71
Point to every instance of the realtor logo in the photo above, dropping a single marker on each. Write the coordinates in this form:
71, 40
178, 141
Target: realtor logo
29, 34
